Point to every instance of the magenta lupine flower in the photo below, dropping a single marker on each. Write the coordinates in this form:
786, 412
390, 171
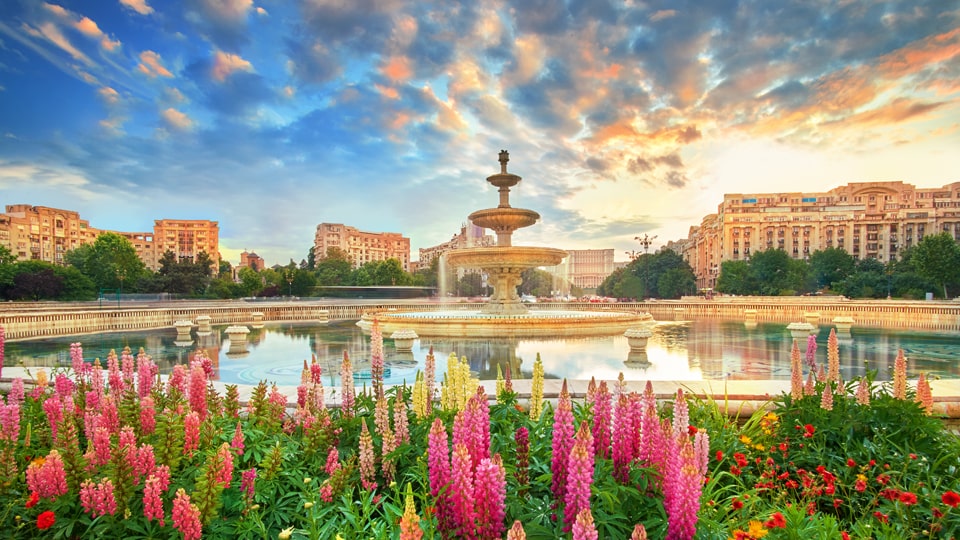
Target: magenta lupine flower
197, 389
109, 414
237, 442
152, 503
101, 446
490, 492
479, 418
53, 408
683, 484
438, 465
10, 420
462, 503
368, 467
562, 442
346, 386
333, 461
114, 377
521, 467
63, 386
583, 528
811, 355
621, 453
148, 415
191, 433
316, 372
146, 374
248, 483
649, 427
601, 421
579, 476
127, 364
186, 516
3, 340
376, 359
16, 390
49, 480
162, 472
681, 414
177, 379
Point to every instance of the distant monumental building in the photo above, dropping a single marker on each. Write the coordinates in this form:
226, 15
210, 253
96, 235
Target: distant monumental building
251, 260
875, 220
362, 247
587, 268
47, 234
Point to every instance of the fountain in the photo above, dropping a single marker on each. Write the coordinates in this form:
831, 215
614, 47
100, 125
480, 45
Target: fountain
503, 264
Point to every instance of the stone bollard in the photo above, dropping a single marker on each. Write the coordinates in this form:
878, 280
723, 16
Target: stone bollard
203, 324
812, 317
843, 326
800, 331
637, 338
238, 339
403, 339
183, 329
257, 318
750, 318
678, 313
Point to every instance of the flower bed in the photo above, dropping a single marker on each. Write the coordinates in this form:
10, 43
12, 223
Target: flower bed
118, 452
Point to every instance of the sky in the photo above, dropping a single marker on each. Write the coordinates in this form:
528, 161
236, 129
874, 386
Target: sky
625, 118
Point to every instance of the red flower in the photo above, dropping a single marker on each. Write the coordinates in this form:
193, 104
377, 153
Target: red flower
937, 514
691, 430
844, 535
908, 498
851, 462
776, 521
883, 479
719, 455
809, 430
741, 459
736, 504
33, 500
950, 499
46, 520
884, 518
913, 456
734, 470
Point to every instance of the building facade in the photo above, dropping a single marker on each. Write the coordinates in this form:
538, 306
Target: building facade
251, 260
875, 220
362, 247
587, 268
47, 234
470, 236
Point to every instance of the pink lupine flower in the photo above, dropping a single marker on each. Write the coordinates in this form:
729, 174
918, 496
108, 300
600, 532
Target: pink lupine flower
162, 473
863, 391
96, 377
278, 398
346, 386
63, 386
490, 492
127, 364
521, 467
833, 356
429, 377
400, 421
650, 448
48, 480
3, 339
98, 499
516, 532
148, 415
152, 503
376, 359
601, 420
177, 379
146, 461
810, 387
101, 446
316, 372
16, 390
681, 414
114, 377
333, 461
478, 412
900, 376
621, 453
109, 414
53, 408
237, 442
248, 483
811, 354
146, 374
562, 442
368, 467
462, 503
579, 475
191, 433
796, 373
438, 465
683, 484
826, 398
225, 473
388, 445
381, 414
197, 389
186, 516
639, 532
10, 420
701, 449
583, 528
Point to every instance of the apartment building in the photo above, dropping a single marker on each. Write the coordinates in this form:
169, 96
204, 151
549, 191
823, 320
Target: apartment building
875, 220
470, 236
362, 247
47, 234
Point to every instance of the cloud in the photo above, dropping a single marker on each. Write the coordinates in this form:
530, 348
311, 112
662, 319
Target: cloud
140, 6
109, 95
397, 69
176, 119
152, 65
223, 22
89, 28
226, 63
662, 14
262, 12
51, 33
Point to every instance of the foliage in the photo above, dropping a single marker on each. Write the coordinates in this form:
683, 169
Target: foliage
109, 262
660, 275
937, 258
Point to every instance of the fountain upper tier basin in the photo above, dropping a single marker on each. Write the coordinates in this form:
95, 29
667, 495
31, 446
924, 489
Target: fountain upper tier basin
500, 219
519, 257
472, 323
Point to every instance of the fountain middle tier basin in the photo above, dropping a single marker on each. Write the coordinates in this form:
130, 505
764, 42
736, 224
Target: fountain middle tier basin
473, 323
520, 257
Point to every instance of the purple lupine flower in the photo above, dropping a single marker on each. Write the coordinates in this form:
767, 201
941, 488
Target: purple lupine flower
811, 354
562, 442
579, 476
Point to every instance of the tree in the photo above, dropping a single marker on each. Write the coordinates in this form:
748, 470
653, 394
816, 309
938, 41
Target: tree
736, 277
108, 262
250, 281
674, 283
830, 265
535, 282
937, 257
7, 258
35, 280
772, 270
335, 268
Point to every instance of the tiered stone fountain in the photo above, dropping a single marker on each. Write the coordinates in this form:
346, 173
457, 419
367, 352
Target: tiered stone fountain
504, 313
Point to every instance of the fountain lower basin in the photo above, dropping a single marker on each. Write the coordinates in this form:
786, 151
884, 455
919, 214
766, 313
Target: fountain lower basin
473, 323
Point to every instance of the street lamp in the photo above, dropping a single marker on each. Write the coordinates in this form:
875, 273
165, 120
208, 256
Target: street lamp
633, 254
646, 241
290, 284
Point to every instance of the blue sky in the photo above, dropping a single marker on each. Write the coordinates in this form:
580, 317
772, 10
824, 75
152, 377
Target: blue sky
624, 117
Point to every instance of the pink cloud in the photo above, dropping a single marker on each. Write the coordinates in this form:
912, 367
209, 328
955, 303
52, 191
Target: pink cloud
176, 119
140, 6
152, 65
226, 63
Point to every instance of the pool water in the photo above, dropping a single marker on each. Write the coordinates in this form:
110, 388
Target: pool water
678, 351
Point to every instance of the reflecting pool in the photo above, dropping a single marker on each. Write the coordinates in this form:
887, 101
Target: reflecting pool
689, 350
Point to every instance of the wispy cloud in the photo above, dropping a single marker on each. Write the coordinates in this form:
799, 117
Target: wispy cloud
152, 65
140, 6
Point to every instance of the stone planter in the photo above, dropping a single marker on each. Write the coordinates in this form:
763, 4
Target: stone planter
403, 339
844, 324
183, 328
812, 317
637, 338
800, 331
203, 323
257, 319
238, 339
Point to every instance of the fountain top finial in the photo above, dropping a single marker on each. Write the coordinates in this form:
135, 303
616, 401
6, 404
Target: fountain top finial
504, 158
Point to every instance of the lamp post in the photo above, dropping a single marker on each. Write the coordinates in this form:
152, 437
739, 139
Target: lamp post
290, 284
645, 241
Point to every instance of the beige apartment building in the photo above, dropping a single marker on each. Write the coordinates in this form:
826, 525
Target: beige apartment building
362, 247
866, 219
47, 234
470, 236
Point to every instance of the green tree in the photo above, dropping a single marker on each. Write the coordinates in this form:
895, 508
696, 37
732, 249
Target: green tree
7, 258
772, 270
736, 277
76, 286
830, 265
35, 280
675, 283
535, 282
937, 258
250, 281
109, 261
225, 269
335, 268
